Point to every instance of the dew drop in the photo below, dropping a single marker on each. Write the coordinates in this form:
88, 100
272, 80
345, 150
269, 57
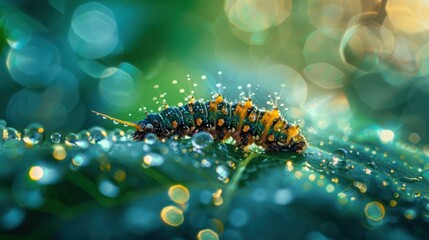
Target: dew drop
71, 139
83, 135
129, 135
150, 139
340, 153
55, 137
201, 140
10, 134
34, 134
222, 171
117, 135
96, 134
203, 77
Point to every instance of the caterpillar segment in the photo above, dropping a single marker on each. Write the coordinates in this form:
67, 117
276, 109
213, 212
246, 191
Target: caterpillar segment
243, 121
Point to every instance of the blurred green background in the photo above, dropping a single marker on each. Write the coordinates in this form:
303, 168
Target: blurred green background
348, 64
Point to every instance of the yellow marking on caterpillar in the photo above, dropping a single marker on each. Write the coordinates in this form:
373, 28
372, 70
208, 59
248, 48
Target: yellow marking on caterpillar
220, 122
219, 99
198, 121
191, 101
267, 121
279, 126
246, 128
292, 132
174, 124
241, 110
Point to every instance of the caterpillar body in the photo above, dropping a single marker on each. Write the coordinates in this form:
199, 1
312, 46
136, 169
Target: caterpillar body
242, 121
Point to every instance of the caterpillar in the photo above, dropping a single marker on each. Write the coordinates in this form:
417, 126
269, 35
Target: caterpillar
242, 121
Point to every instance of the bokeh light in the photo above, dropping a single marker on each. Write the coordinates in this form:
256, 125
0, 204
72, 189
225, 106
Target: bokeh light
374, 211
386, 135
35, 64
207, 234
255, 16
172, 216
93, 31
36, 173
178, 194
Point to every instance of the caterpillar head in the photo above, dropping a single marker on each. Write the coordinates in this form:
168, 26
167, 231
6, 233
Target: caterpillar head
290, 139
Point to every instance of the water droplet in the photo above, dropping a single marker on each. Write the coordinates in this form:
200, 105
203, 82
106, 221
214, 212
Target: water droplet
56, 138
117, 135
34, 134
129, 134
10, 134
96, 134
150, 139
338, 160
201, 140
71, 139
410, 179
105, 144
222, 171
83, 135
341, 153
